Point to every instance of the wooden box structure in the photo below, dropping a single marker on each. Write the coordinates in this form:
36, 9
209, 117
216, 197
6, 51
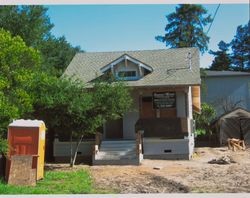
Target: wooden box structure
27, 137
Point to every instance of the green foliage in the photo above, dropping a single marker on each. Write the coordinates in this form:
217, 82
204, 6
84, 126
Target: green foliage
222, 60
17, 64
66, 106
3, 146
71, 182
203, 120
33, 25
185, 27
241, 48
57, 54
63, 104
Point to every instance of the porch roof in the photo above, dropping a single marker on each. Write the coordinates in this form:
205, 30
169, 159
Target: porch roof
170, 66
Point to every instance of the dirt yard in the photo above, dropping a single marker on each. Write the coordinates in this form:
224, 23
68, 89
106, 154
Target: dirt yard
164, 176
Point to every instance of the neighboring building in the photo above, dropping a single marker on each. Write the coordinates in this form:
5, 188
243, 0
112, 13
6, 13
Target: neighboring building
234, 124
226, 90
166, 91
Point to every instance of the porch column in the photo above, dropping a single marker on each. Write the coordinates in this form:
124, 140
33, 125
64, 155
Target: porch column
189, 108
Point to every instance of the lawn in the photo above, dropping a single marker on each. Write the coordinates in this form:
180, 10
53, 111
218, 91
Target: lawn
55, 182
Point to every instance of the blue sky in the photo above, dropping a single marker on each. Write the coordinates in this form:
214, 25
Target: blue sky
133, 27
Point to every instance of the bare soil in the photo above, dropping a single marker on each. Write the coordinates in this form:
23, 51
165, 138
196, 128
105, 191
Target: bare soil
177, 176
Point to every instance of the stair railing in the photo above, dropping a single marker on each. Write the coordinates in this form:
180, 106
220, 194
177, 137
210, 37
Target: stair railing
98, 140
139, 142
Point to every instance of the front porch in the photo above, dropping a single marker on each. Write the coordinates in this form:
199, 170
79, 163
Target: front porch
160, 127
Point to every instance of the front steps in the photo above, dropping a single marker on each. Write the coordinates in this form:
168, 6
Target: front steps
117, 152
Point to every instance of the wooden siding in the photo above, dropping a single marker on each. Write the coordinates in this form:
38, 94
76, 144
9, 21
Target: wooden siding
196, 99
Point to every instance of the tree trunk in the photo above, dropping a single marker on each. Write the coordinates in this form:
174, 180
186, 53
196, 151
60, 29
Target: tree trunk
76, 150
71, 151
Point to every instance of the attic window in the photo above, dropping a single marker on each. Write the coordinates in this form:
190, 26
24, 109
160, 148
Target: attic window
125, 74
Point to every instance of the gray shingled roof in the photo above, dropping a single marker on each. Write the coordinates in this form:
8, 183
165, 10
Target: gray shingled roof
226, 73
86, 66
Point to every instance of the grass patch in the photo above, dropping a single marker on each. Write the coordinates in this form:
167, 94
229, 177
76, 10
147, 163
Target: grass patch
70, 182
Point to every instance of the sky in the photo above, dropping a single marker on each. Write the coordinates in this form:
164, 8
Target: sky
133, 27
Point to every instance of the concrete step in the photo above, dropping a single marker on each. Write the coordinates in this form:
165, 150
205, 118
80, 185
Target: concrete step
117, 152
118, 141
104, 148
118, 145
120, 154
116, 162
113, 157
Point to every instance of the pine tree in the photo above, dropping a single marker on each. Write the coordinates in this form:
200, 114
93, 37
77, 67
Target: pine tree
185, 27
222, 59
241, 48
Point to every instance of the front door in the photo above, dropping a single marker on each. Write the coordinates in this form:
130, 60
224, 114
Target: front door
114, 129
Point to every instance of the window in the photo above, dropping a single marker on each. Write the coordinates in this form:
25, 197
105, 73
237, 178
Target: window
125, 74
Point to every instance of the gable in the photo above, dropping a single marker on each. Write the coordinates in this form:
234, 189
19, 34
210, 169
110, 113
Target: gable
127, 68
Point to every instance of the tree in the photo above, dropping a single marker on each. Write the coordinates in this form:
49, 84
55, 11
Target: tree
241, 48
17, 65
29, 22
57, 53
75, 112
222, 59
33, 25
185, 27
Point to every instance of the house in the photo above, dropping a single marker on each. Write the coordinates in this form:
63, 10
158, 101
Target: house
165, 90
226, 90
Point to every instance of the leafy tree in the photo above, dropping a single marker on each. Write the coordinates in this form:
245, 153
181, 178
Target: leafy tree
222, 59
33, 24
17, 65
241, 48
75, 112
203, 120
185, 27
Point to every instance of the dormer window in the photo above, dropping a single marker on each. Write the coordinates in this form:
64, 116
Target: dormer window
127, 68
127, 75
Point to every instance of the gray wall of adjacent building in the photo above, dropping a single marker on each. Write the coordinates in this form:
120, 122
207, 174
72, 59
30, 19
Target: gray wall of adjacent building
230, 89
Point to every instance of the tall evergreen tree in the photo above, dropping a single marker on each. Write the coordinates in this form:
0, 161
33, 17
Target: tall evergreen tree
222, 59
241, 48
185, 27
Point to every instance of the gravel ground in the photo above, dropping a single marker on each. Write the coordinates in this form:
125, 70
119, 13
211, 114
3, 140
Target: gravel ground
176, 176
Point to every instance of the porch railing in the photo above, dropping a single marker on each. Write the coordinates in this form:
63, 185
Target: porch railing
98, 140
139, 142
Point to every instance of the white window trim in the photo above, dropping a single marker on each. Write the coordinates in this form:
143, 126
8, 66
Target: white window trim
107, 67
128, 77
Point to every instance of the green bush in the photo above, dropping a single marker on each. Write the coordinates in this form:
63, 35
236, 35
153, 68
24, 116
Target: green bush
203, 120
3, 146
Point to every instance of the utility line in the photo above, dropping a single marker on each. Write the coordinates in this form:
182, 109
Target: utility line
210, 25
191, 55
213, 18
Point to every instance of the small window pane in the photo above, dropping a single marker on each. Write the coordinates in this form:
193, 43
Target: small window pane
127, 74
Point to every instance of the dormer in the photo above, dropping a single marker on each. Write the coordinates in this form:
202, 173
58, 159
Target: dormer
127, 68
